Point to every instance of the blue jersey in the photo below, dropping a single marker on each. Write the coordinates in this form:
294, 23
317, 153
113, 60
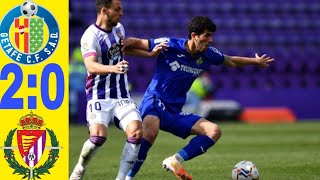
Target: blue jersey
176, 70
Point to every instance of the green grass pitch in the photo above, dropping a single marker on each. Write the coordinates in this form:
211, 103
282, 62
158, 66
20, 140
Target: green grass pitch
280, 151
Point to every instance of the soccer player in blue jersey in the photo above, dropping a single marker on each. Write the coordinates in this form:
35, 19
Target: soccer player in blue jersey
182, 61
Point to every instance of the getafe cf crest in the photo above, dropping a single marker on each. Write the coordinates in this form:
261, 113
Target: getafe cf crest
29, 34
31, 141
199, 61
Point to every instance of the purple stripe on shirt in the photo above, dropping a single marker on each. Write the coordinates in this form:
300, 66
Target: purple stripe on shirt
105, 60
123, 87
89, 85
104, 49
113, 84
113, 77
102, 87
111, 38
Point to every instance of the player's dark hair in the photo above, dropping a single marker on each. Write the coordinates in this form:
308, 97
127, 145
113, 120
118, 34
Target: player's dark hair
199, 24
102, 3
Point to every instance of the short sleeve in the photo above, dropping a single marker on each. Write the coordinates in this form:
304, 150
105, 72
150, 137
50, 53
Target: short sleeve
215, 56
120, 28
89, 44
122, 31
154, 42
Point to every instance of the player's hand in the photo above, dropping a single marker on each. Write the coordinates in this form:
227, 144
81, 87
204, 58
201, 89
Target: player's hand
122, 67
264, 60
158, 49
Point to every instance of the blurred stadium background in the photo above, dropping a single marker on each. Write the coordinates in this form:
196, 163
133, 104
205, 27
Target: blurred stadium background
288, 91
286, 30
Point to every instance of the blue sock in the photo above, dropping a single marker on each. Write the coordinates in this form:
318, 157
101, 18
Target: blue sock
142, 155
197, 146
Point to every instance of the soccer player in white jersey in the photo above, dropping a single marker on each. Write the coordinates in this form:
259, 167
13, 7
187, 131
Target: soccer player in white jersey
107, 89
177, 68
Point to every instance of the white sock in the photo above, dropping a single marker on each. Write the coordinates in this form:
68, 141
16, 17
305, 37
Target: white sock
88, 151
178, 157
128, 178
128, 157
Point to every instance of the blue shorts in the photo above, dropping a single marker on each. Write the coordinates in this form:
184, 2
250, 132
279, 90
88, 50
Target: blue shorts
177, 123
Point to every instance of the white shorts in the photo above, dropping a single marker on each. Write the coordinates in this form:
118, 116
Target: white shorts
103, 111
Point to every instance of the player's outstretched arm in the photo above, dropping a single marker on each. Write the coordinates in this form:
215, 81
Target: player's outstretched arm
264, 60
93, 67
236, 61
136, 43
140, 47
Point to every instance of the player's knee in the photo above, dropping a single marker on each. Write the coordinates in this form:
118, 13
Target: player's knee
214, 132
150, 134
150, 129
218, 132
137, 133
98, 140
134, 130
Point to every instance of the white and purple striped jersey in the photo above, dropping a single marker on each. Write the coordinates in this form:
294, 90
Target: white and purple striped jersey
105, 45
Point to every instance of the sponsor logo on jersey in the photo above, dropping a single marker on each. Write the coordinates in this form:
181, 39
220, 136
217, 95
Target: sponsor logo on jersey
114, 52
176, 66
180, 55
